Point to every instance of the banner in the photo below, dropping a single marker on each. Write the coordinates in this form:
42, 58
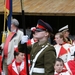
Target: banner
7, 17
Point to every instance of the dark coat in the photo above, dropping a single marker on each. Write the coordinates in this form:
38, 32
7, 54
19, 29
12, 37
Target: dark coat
45, 60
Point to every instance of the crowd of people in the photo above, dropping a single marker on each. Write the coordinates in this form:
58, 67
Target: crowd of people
44, 58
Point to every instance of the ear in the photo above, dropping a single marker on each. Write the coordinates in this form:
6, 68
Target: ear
47, 34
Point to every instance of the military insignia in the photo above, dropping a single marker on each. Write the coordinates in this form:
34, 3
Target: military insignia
43, 46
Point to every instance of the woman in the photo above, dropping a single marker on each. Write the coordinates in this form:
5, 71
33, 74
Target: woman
62, 47
42, 55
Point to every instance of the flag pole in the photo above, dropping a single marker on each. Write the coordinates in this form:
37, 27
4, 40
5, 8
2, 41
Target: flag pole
4, 34
24, 30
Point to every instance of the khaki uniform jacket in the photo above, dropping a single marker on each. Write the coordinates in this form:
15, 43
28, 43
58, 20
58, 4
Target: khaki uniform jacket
45, 60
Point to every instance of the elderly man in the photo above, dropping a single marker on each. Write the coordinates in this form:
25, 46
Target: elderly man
8, 48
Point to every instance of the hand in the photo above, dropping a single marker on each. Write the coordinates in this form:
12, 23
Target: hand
24, 39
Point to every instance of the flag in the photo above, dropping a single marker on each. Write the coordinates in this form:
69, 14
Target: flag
9, 13
7, 17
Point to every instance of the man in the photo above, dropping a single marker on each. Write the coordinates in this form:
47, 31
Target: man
65, 32
8, 48
42, 55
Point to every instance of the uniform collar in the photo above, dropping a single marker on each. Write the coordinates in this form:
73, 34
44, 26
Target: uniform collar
15, 68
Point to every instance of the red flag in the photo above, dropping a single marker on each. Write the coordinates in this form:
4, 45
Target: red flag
7, 7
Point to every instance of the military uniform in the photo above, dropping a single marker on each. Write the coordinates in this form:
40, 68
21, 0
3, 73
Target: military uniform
48, 55
42, 55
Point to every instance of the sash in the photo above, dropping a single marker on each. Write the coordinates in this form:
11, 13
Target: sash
34, 60
8, 39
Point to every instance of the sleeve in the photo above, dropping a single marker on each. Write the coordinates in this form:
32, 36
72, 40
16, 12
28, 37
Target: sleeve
49, 60
22, 46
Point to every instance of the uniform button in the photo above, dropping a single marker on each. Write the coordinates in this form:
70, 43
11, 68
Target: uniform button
32, 54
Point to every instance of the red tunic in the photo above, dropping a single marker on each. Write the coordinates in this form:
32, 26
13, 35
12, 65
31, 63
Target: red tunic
71, 66
12, 68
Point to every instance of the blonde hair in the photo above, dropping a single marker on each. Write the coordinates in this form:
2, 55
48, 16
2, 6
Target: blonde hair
62, 36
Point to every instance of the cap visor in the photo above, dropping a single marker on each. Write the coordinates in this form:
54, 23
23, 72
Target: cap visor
39, 30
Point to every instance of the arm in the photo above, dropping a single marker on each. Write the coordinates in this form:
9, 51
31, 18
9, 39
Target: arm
49, 60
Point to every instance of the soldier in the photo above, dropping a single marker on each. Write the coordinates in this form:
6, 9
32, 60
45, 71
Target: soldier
42, 55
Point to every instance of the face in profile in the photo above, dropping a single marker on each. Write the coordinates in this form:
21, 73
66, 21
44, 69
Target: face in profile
58, 66
57, 39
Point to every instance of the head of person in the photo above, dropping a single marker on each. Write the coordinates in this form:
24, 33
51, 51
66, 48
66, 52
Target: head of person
65, 31
14, 25
43, 30
59, 64
18, 54
59, 38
